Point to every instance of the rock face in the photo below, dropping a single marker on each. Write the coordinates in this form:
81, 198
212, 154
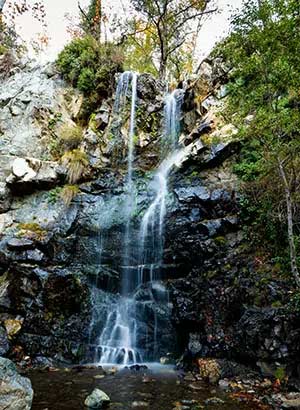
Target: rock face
54, 254
15, 391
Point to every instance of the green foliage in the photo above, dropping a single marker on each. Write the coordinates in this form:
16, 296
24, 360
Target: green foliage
294, 304
53, 195
280, 373
264, 82
91, 67
76, 161
163, 30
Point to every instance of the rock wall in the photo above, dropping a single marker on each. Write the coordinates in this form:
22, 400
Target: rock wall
50, 251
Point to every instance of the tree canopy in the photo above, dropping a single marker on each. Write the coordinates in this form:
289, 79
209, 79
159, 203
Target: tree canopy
263, 55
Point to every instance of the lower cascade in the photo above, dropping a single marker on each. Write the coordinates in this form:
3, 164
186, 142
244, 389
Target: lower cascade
135, 319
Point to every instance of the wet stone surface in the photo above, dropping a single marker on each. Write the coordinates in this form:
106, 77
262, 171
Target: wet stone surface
67, 389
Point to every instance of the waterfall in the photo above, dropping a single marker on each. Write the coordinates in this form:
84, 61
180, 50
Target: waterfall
120, 341
117, 342
129, 205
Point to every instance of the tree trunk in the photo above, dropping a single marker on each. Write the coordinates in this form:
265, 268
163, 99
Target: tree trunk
163, 69
289, 208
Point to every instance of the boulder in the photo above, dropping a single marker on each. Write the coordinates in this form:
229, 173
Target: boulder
30, 173
15, 391
97, 400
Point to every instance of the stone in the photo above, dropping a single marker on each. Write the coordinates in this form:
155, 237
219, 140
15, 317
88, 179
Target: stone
214, 401
28, 97
15, 391
223, 384
21, 169
32, 172
20, 244
97, 400
13, 326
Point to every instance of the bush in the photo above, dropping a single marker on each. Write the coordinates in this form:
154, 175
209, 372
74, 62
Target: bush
91, 67
70, 136
75, 161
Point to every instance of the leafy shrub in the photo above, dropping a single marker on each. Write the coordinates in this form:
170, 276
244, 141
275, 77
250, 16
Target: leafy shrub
91, 67
75, 161
70, 136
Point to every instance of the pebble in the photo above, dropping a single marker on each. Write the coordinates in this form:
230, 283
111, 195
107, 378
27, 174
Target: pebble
224, 384
140, 404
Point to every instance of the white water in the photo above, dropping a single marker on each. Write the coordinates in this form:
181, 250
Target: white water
118, 339
118, 342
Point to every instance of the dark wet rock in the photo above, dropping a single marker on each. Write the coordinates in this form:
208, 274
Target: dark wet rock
4, 343
188, 194
15, 391
148, 87
97, 400
138, 367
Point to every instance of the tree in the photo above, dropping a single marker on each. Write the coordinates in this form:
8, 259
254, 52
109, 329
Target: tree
262, 51
92, 19
170, 22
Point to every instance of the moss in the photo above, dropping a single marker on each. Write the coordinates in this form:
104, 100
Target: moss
277, 304
206, 139
3, 49
32, 230
210, 274
220, 240
3, 279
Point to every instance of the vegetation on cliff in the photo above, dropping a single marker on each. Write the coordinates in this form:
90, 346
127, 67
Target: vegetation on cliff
263, 102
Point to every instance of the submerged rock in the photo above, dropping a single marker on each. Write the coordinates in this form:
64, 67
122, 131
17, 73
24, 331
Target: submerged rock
97, 400
15, 391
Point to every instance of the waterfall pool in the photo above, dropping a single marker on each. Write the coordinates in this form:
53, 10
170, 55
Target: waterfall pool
156, 388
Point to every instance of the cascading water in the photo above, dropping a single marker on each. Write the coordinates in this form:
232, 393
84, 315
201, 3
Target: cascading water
129, 333
117, 341
151, 230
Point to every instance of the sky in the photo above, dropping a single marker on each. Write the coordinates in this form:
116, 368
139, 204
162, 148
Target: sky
213, 29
